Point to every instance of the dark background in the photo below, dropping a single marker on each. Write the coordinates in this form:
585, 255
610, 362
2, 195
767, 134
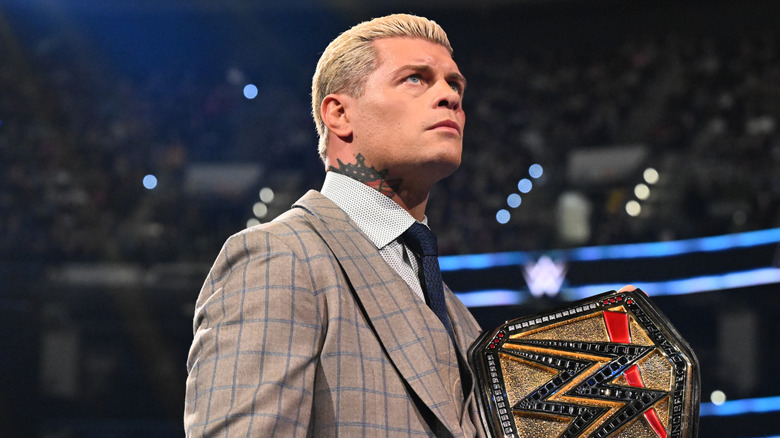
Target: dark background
99, 275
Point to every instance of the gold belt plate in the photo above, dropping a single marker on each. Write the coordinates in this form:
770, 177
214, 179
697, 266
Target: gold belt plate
607, 366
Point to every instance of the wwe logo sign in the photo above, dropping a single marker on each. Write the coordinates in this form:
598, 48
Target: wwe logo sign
544, 277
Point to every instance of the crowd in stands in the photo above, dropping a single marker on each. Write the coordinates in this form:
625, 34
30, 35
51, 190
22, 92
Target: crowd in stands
77, 137
706, 108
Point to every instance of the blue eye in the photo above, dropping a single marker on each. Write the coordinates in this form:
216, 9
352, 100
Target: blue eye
415, 79
455, 87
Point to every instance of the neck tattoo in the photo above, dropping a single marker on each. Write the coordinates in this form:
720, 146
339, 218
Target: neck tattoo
369, 176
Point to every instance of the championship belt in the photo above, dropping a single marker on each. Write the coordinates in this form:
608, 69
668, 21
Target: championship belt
607, 366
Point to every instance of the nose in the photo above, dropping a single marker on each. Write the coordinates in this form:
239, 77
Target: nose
447, 97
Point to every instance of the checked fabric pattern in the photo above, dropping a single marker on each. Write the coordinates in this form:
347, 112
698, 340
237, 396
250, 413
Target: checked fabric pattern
303, 330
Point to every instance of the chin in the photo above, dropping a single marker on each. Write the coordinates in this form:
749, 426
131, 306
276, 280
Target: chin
451, 159
444, 167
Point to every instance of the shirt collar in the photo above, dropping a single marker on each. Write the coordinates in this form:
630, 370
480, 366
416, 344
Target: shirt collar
378, 216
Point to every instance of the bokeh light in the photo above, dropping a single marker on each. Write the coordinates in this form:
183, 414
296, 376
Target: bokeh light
260, 210
525, 185
267, 195
718, 397
650, 175
250, 91
514, 200
503, 216
633, 208
642, 191
150, 182
535, 170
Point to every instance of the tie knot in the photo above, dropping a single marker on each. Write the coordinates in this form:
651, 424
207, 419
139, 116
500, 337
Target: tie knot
421, 240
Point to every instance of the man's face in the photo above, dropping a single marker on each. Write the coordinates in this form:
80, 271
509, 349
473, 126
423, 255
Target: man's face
409, 119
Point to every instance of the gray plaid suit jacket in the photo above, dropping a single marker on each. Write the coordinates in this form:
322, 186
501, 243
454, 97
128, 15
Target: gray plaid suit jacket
302, 329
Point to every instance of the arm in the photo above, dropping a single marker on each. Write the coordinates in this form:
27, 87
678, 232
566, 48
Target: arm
258, 332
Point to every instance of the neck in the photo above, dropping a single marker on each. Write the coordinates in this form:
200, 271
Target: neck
400, 191
414, 203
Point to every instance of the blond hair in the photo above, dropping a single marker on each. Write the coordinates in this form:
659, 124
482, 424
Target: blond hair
351, 57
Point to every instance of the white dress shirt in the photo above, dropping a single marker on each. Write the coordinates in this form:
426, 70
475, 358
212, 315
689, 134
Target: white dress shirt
381, 219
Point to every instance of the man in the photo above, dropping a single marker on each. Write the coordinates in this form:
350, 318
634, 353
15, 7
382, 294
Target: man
316, 324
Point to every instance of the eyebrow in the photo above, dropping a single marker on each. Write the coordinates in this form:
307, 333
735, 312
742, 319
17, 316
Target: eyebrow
427, 69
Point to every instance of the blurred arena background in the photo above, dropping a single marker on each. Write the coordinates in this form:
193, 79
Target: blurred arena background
608, 142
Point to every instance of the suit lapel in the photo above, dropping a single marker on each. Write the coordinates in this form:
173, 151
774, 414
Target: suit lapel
395, 312
466, 331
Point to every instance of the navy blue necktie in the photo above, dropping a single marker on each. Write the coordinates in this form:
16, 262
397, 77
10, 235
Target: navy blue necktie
423, 242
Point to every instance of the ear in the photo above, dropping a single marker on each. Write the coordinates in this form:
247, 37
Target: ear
334, 114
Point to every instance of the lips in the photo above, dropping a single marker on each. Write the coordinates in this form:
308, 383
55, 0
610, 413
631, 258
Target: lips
451, 124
